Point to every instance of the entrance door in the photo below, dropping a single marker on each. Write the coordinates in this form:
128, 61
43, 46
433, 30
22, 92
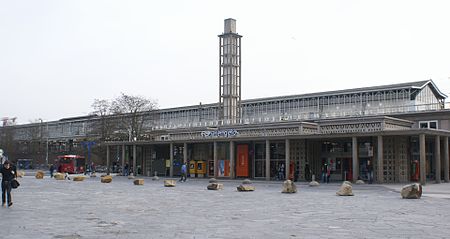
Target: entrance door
242, 161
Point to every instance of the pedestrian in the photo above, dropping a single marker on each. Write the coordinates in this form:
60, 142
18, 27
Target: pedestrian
324, 172
307, 172
8, 174
183, 172
369, 172
52, 169
125, 170
328, 173
281, 172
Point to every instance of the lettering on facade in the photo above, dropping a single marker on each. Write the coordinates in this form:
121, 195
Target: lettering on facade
220, 133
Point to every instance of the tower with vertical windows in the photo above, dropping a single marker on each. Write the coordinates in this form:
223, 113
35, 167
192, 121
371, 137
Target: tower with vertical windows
230, 73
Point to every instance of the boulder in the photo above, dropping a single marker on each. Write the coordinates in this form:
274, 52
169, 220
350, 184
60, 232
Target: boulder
20, 173
215, 186
213, 180
247, 181
169, 183
289, 187
39, 175
131, 177
155, 178
314, 184
412, 191
93, 175
78, 178
345, 190
106, 179
359, 182
246, 188
347, 182
58, 176
139, 181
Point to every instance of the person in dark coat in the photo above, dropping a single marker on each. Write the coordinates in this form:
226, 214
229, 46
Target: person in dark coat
8, 174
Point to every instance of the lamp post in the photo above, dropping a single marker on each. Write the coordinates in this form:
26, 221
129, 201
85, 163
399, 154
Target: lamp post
46, 148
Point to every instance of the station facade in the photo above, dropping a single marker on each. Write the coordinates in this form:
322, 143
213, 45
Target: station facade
401, 129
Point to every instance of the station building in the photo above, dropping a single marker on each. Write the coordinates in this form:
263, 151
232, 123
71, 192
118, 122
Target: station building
401, 129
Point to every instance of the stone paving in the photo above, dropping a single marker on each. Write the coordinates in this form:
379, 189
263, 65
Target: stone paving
49, 208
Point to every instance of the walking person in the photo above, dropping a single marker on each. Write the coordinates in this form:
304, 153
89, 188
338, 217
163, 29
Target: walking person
52, 169
183, 172
8, 174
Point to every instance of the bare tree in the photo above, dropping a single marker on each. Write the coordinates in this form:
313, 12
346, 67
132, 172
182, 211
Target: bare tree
105, 125
131, 110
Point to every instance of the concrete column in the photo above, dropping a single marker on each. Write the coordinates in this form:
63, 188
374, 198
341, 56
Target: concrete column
171, 160
380, 158
107, 159
423, 179
288, 158
355, 160
437, 158
216, 161
267, 160
232, 159
446, 163
123, 157
185, 159
134, 160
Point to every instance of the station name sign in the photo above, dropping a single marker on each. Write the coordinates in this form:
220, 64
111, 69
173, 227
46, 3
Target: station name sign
220, 133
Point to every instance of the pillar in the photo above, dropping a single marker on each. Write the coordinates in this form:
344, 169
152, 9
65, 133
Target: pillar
171, 160
288, 160
267, 160
107, 159
446, 163
423, 179
123, 157
355, 161
216, 161
437, 158
232, 159
380, 158
134, 160
185, 159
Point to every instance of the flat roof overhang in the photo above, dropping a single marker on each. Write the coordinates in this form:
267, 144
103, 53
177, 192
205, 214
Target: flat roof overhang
409, 132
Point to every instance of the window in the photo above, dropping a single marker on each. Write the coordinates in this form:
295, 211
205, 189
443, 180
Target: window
428, 124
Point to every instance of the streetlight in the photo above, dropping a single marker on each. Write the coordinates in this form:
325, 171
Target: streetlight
46, 148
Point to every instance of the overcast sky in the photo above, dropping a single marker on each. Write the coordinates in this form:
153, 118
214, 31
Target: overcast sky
57, 56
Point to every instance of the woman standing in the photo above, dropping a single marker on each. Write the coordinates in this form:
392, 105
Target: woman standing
8, 174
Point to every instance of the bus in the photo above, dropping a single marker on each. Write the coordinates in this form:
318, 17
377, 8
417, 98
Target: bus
71, 164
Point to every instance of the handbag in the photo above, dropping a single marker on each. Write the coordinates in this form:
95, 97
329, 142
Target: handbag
15, 183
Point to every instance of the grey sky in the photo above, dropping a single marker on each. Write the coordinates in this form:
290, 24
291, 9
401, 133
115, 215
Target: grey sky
57, 56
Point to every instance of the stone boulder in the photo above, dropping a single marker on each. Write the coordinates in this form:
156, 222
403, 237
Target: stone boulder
247, 181
347, 182
93, 175
58, 176
215, 186
213, 180
246, 188
139, 181
412, 191
289, 187
314, 184
131, 177
39, 175
78, 178
106, 179
20, 174
169, 183
345, 190
155, 178
359, 182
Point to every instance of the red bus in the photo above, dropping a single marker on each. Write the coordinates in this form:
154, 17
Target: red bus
71, 164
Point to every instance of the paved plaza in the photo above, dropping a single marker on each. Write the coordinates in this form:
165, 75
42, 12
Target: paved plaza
66, 209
